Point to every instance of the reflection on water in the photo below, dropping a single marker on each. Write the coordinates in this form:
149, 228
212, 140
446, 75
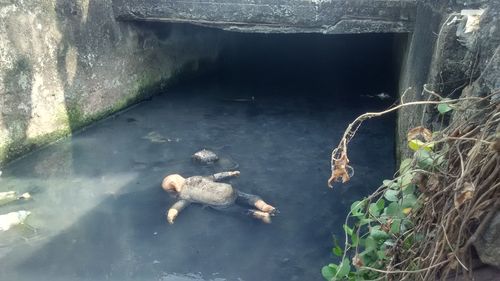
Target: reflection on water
98, 212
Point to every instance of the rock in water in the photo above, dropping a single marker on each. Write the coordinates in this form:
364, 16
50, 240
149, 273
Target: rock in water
12, 219
205, 156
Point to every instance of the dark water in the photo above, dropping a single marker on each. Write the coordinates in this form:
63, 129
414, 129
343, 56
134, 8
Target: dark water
98, 212
98, 209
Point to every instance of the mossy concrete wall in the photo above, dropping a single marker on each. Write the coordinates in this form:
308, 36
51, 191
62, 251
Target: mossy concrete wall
66, 63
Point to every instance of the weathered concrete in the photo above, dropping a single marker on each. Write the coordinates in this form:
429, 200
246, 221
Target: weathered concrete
452, 60
415, 70
488, 245
278, 16
66, 63
444, 59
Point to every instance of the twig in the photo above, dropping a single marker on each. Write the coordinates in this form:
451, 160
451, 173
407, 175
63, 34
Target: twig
404, 271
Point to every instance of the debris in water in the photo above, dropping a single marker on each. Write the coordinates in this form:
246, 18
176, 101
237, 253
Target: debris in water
155, 137
9, 196
381, 96
205, 156
12, 219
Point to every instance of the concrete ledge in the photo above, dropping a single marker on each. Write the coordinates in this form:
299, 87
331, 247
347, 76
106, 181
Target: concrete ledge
277, 16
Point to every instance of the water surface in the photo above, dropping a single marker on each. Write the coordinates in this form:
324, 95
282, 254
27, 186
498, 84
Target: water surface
98, 212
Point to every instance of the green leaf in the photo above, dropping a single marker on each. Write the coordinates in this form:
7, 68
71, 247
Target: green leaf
395, 226
390, 184
387, 182
416, 144
370, 244
394, 210
405, 165
364, 221
347, 229
337, 250
354, 239
357, 208
406, 179
329, 271
391, 195
380, 204
444, 107
344, 269
374, 210
424, 159
408, 201
389, 243
381, 254
409, 189
378, 234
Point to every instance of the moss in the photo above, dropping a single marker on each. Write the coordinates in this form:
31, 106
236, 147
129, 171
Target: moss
15, 150
72, 118
145, 87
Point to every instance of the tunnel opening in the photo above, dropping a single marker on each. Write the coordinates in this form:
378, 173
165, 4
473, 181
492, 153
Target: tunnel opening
343, 66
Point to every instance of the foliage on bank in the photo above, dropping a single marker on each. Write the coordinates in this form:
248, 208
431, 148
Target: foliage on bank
421, 224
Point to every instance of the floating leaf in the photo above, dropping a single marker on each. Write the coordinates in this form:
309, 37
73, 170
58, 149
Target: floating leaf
391, 195
444, 108
419, 131
464, 195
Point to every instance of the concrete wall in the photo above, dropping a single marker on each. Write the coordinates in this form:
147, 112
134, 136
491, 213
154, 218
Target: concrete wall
278, 16
446, 60
66, 63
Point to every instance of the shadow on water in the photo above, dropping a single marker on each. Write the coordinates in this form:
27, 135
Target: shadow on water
104, 217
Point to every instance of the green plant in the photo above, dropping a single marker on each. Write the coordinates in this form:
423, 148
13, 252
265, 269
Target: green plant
382, 221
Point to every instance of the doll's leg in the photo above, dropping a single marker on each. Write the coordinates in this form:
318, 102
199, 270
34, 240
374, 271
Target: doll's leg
254, 201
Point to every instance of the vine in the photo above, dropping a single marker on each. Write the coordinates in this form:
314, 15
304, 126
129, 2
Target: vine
421, 224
